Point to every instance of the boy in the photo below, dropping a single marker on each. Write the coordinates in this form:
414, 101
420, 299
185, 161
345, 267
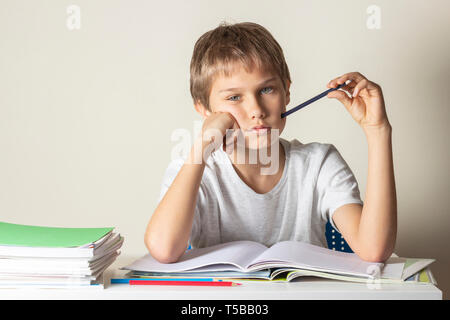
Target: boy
240, 81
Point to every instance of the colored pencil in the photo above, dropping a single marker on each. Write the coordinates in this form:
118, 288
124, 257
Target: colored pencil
127, 280
185, 283
304, 104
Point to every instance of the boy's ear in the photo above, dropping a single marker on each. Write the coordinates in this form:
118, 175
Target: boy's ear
288, 92
201, 109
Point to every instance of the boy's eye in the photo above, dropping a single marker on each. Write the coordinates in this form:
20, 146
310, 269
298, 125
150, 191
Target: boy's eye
267, 88
270, 89
231, 98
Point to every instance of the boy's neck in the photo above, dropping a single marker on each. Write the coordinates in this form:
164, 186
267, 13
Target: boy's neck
260, 171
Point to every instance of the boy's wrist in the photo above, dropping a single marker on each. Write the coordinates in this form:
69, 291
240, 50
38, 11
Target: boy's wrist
382, 132
200, 151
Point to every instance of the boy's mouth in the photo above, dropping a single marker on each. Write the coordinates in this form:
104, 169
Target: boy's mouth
261, 129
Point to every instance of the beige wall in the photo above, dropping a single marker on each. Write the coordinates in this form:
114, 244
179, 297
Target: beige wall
86, 116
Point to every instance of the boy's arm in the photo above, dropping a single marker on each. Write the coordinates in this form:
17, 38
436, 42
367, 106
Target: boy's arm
370, 230
169, 228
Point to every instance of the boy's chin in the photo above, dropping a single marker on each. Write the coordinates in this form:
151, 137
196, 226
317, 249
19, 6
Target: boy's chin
255, 142
261, 141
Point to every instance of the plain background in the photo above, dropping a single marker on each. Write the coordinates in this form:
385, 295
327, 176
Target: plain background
86, 116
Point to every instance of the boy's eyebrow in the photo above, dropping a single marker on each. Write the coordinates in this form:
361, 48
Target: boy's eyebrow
265, 81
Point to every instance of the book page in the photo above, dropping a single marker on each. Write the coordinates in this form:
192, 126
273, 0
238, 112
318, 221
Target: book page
393, 268
414, 265
231, 256
304, 255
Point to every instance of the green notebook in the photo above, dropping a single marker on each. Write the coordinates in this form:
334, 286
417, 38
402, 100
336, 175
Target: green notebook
37, 236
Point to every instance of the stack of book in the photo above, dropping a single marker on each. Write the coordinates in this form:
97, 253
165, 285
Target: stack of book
285, 261
53, 257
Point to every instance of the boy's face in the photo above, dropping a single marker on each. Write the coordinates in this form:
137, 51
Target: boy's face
253, 99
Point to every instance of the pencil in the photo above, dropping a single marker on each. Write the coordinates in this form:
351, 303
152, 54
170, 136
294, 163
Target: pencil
185, 283
304, 104
127, 280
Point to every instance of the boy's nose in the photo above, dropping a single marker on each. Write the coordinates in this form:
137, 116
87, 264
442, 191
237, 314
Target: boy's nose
255, 114
256, 111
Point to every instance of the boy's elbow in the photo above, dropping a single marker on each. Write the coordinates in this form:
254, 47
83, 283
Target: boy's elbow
160, 253
372, 258
375, 256
163, 256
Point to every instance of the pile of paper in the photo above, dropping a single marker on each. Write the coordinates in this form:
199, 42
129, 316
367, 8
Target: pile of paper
55, 257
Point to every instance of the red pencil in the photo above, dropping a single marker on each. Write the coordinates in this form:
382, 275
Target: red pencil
185, 283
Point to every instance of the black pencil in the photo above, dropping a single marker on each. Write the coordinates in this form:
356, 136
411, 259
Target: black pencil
304, 104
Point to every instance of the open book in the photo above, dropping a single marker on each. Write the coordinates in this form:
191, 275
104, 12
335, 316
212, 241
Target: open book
249, 256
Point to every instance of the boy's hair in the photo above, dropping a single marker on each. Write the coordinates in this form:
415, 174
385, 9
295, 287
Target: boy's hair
217, 50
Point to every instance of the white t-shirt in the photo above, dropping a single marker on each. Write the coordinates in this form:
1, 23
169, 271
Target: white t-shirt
316, 181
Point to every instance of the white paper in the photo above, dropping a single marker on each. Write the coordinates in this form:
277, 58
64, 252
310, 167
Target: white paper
232, 256
393, 268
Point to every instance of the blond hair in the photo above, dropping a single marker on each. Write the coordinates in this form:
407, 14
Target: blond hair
216, 51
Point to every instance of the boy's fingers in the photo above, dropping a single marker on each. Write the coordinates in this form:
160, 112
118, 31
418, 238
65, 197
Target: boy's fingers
353, 76
232, 136
341, 96
332, 83
365, 84
229, 140
335, 82
229, 136
349, 86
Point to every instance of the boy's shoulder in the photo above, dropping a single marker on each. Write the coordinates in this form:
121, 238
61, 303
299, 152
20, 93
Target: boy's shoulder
295, 147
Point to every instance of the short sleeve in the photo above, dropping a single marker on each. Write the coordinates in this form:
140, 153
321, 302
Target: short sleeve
336, 184
169, 176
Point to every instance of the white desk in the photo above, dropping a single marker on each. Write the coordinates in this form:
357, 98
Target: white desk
303, 288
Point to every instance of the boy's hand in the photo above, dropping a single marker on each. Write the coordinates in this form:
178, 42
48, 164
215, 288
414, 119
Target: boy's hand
366, 105
215, 128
